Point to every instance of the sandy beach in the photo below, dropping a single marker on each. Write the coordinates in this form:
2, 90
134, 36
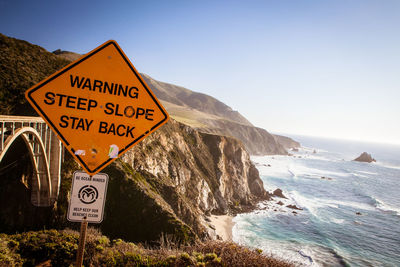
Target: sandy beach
223, 226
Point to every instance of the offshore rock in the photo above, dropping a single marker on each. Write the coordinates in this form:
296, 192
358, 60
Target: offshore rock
278, 193
365, 157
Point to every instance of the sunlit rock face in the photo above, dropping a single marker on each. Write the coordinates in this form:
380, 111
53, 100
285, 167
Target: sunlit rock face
198, 173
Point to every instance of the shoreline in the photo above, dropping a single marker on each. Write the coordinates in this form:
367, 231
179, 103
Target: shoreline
223, 226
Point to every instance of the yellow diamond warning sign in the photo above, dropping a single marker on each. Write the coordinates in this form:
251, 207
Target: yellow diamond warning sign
99, 106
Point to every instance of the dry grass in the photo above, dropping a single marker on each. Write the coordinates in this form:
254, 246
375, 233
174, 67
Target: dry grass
232, 254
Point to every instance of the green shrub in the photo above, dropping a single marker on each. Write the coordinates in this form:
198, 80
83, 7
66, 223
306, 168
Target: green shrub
59, 248
185, 259
8, 252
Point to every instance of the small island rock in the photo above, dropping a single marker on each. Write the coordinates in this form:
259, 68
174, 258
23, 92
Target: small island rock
365, 157
294, 207
278, 193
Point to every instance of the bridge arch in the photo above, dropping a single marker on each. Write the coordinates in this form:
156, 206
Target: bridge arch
44, 151
41, 180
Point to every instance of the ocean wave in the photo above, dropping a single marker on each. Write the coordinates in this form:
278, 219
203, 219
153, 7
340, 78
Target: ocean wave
352, 204
299, 253
337, 221
387, 165
312, 204
307, 172
380, 205
369, 173
311, 149
359, 175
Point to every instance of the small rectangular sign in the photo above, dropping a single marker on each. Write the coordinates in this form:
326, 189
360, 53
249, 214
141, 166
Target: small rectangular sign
88, 196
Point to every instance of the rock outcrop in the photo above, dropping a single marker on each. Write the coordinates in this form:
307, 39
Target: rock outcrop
171, 182
278, 193
256, 140
365, 157
286, 142
197, 173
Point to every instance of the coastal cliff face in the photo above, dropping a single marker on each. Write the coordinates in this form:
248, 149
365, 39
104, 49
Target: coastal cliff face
198, 173
170, 183
286, 142
256, 140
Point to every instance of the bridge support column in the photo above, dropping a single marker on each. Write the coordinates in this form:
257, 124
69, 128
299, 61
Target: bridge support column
55, 157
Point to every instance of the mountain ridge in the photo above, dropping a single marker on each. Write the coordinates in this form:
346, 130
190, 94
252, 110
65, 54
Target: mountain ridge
207, 114
217, 118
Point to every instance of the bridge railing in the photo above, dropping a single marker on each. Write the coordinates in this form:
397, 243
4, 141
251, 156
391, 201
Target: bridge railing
45, 151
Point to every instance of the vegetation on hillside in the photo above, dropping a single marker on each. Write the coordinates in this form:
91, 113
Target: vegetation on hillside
58, 248
22, 65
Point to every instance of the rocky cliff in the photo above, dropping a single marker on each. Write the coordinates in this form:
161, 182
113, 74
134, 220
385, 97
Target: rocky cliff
286, 142
197, 173
256, 140
171, 182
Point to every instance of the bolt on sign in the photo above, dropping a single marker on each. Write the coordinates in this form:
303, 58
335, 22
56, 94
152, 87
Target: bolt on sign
88, 195
99, 106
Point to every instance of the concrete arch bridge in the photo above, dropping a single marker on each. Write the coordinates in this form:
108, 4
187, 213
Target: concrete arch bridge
44, 154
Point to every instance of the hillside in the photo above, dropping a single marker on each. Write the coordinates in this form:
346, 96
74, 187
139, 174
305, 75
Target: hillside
209, 115
22, 65
70, 56
188, 99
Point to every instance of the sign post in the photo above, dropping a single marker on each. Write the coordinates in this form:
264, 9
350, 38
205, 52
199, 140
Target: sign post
99, 106
82, 242
88, 196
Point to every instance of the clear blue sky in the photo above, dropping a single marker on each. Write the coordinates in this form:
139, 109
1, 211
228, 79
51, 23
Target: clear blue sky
323, 68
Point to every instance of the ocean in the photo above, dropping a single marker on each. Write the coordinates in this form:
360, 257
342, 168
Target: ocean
350, 210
